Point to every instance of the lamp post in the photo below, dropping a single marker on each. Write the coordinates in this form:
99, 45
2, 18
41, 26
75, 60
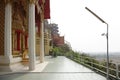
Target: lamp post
106, 38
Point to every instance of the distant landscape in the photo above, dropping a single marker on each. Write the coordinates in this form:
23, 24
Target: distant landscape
114, 56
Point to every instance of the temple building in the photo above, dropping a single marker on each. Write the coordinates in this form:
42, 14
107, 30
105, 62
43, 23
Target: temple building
22, 32
47, 38
57, 40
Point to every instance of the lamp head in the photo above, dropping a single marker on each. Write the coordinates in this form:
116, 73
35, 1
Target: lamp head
95, 15
103, 34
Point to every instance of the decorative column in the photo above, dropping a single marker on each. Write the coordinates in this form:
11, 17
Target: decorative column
26, 40
8, 27
42, 43
42, 51
31, 47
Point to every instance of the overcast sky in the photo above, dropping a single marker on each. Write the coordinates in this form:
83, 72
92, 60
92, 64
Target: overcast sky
82, 29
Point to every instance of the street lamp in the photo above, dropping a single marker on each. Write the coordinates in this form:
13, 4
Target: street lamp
106, 38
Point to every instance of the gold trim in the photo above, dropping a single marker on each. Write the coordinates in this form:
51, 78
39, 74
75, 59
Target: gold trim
43, 1
32, 1
8, 1
8, 64
4, 64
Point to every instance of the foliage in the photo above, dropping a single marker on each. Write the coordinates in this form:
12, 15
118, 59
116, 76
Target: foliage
88, 61
83, 59
61, 50
55, 51
65, 48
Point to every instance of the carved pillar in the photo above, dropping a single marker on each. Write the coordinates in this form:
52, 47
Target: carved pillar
32, 49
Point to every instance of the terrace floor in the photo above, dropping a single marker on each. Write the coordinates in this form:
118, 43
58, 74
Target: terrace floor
59, 68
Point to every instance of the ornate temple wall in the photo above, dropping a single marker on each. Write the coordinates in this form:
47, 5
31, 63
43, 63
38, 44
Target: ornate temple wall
46, 43
37, 46
2, 22
19, 26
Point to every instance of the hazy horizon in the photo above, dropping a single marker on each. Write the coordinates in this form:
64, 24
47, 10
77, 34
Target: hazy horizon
82, 29
102, 53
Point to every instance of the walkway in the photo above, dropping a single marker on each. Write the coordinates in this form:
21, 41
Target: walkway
59, 68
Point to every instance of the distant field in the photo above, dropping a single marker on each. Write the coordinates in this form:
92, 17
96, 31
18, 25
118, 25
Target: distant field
114, 57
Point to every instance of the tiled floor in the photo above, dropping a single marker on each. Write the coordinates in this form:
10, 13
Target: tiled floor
59, 68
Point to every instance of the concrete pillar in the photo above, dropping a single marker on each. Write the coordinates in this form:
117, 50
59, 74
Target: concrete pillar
7, 59
7, 62
8, 27
42, 43
31, 39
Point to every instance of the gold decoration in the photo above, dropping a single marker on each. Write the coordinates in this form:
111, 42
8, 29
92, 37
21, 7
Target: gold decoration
8, 1
43, 1
32, 1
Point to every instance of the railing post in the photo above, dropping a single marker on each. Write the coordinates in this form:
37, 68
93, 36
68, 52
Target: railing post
92, 63
80, 59
117, 71
83, 59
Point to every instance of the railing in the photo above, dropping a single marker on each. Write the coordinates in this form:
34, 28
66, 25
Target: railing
114, 68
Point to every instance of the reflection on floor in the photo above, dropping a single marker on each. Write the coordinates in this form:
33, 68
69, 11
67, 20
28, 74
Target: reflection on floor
59, 68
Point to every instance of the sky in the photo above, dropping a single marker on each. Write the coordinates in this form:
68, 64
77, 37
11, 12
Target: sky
82, 29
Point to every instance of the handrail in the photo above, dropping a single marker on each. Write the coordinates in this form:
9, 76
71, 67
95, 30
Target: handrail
114, 72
